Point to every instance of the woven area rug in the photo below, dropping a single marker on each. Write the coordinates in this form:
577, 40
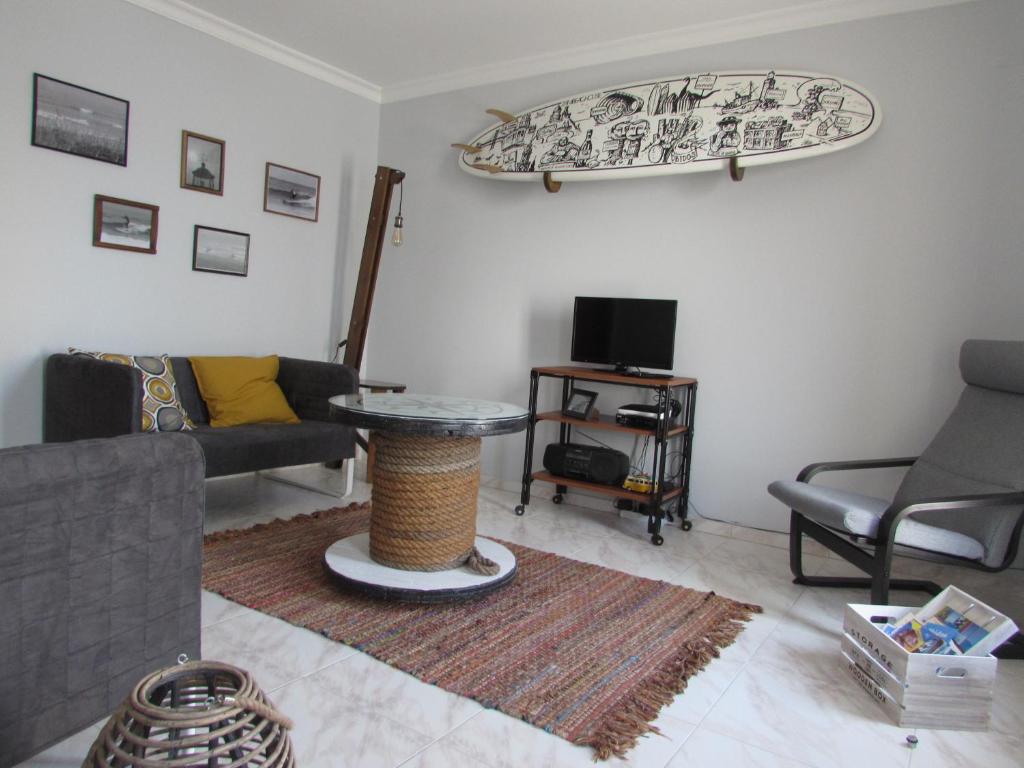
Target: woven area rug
584, 652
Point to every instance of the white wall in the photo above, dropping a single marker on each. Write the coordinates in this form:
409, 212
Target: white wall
822, 302
57, 290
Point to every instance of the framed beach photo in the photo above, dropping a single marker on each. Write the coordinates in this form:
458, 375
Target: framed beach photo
202, 163
291, 193
124, 224
79, 121
220, 250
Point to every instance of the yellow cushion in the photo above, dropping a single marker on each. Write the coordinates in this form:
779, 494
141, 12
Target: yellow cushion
242, 390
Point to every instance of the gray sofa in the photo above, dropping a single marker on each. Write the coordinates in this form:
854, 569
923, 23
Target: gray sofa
87, 398
99, 578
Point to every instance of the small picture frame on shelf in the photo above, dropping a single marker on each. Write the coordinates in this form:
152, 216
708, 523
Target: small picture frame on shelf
124, 224
579, 404
202, 163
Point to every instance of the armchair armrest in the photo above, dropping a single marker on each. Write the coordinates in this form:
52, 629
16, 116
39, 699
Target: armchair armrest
307, 385
833, 466
895, 514
87, 398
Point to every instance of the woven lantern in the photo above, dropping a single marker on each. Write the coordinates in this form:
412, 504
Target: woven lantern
199, 713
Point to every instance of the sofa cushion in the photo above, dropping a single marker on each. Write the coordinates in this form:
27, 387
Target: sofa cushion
251, 447
162, 410
242, 390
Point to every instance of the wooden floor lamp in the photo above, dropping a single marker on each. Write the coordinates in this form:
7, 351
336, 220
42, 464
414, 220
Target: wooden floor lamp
376, 236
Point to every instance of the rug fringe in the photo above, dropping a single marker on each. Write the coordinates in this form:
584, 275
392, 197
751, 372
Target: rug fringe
240, 533
620, 732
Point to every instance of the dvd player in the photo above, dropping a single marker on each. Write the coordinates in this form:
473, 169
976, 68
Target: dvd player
639, 415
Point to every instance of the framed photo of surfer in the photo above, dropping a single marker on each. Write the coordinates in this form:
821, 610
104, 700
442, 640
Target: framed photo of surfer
79, 121
290, 192
202, 163
220, 250
124, 224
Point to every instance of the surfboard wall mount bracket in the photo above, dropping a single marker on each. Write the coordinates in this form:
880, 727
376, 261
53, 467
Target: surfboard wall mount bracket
735, 171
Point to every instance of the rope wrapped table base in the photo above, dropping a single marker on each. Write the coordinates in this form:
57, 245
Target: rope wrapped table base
424, 503
422, 545
201, 713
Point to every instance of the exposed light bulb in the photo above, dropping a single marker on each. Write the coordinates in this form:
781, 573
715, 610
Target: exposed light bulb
396, 237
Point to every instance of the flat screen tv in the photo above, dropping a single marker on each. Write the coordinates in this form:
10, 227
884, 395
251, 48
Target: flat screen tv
625, 333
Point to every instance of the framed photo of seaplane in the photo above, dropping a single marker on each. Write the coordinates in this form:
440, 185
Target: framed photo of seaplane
202, 163
290, 192
124, 224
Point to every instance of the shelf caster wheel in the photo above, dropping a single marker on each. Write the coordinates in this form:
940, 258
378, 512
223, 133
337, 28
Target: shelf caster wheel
657, 540
520, 510
686, 525
557, 498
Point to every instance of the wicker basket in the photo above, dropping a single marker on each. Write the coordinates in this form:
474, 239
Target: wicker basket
199, 713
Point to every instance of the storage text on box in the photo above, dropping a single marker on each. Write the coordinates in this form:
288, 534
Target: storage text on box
868, 644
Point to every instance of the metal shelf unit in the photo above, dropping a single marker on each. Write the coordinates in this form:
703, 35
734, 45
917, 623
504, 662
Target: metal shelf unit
667, 430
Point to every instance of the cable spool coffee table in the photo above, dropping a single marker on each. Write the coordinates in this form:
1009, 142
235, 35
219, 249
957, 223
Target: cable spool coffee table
422, 544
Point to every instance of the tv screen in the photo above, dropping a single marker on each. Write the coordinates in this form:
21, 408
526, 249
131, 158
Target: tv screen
624, 332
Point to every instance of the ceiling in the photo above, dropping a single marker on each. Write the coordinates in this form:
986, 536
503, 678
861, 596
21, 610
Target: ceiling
394, 49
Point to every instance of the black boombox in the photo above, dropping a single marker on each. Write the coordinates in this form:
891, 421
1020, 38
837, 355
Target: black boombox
583, 462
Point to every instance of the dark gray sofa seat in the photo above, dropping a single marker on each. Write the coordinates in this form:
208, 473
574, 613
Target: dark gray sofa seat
86, 398
99, 578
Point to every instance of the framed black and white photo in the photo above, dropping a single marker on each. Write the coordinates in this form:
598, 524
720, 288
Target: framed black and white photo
291, 193
124, 224
202, 163
220, 250
79, 121
579, 404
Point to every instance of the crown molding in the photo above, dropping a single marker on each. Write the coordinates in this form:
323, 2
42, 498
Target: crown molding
817, 14
233, 34
803, 16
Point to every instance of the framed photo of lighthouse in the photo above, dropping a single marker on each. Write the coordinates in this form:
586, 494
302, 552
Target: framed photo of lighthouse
202, 163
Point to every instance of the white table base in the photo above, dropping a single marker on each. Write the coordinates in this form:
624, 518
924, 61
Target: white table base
349, 559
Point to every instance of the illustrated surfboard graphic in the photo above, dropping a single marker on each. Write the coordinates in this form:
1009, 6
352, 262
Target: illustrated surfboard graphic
684, 124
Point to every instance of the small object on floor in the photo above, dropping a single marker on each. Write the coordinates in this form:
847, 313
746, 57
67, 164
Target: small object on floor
912, 741
206, 710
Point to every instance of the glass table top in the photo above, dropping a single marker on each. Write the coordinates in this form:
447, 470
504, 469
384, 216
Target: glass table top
429, 414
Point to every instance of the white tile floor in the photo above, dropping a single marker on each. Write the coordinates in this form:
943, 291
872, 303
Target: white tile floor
777, 698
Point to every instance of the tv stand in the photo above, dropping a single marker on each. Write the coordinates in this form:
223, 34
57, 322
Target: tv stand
672, 488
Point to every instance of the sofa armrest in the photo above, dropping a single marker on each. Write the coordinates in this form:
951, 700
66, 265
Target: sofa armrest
88, 398
307, 384
100, 577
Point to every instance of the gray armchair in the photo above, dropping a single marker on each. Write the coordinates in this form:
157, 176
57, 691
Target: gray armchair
961, 501
99, 578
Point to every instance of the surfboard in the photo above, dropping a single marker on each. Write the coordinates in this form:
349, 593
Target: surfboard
684, 124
